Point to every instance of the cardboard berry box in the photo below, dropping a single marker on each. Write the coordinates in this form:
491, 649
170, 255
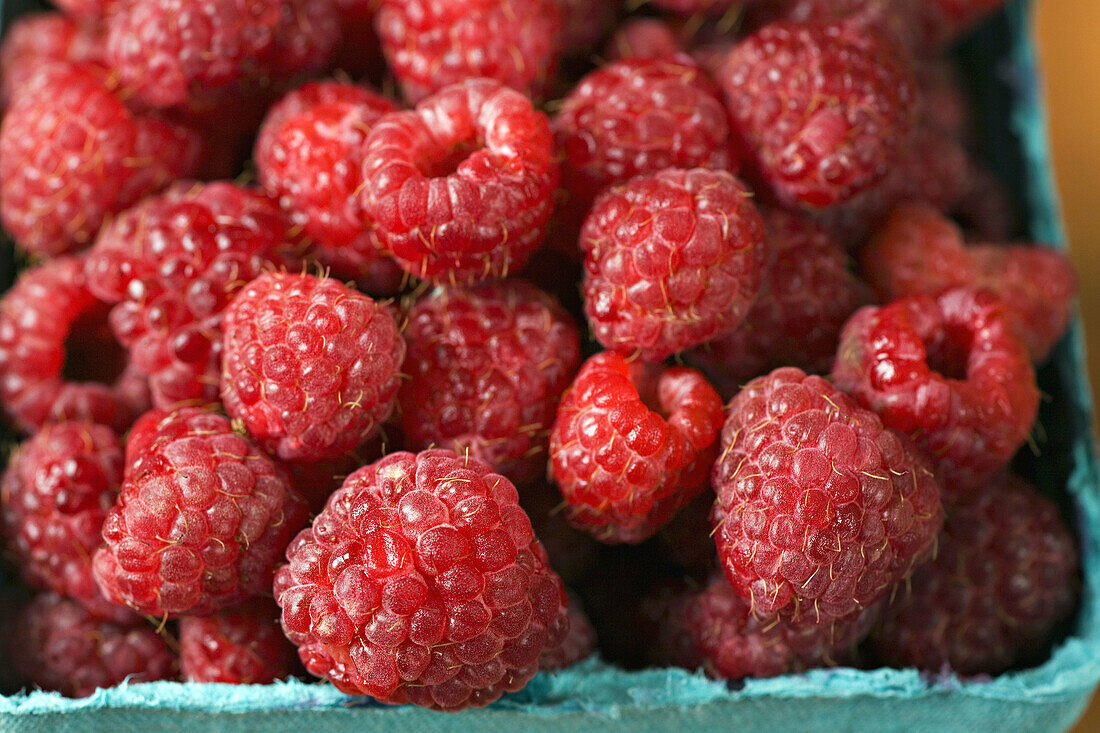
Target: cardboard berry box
999, 66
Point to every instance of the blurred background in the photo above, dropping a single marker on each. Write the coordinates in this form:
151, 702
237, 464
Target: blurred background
1068, 31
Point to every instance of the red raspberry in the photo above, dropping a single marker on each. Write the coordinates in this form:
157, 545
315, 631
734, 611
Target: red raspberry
632, 444
172, 263
35, 39
1004, 576
639, 115
821, 509
67, 119
317, 481
58, 359
672, 259
848, 106
309, 156
174, 53
56, 644
431, 44
807, 295
486, 369
646, 38
949, 372
311, 367
421, 582
460, 190
578, 644
200, 521
56, 492
921, 251
584, 23
242, 645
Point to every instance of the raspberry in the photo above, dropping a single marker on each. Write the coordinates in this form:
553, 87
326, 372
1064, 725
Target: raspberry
309, 156
421, 582
1004, 576
174, 53
632, 444
67, 119
317, 481
431, 44
639, 115
200, 521
687, 541
921, 251
486, 369
672, 259
36, 39
805, 299
578, 644
56, 492
949, 372
57, 645
821, 509
460, 190
172, 263
584, 23
647, 38
848, 107
58, 360
310, 366
242, 645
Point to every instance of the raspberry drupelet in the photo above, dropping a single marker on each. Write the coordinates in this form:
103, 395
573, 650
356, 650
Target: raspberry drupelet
821, 510
241, 645
632, 444
948, 371
672, 259
310, 366
486, 369
1005, 574
461, 189
430, 44
421, 582
58, 359
200, 521
33, 40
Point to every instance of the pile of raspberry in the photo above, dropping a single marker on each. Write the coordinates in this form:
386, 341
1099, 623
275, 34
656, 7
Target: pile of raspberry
428, 390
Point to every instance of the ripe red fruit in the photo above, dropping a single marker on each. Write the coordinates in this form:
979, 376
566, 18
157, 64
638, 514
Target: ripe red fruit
1005, 574
486, 369
310, 366
72, 154
421, 582
33, 40
920, 250
848, 105
58, 359
201, 519
577, 645
460, 190
672, 259
821, 509
430, 44
949, 372
632, 443
242, 645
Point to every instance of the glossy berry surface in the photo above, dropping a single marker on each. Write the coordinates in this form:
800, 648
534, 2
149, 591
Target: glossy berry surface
240, 645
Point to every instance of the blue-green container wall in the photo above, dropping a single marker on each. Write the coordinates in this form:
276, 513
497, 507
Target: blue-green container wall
596, 697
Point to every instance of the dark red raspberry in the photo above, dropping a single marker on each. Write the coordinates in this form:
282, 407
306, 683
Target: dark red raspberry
421, 582
35, 39
920, 250
431, 44
672, 259
847, 106
315, 482
174, 53
486, 369
309, 156
56, 644
173, 263
242, 645
584, 23
821, 509
573, 553
577, 645
56, 492
646, 38
201, 520
632, 443
460, 190
635, 116
1004, 576
807, 295
310, 366
58, 359
949, 372
687, 540
71, 155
